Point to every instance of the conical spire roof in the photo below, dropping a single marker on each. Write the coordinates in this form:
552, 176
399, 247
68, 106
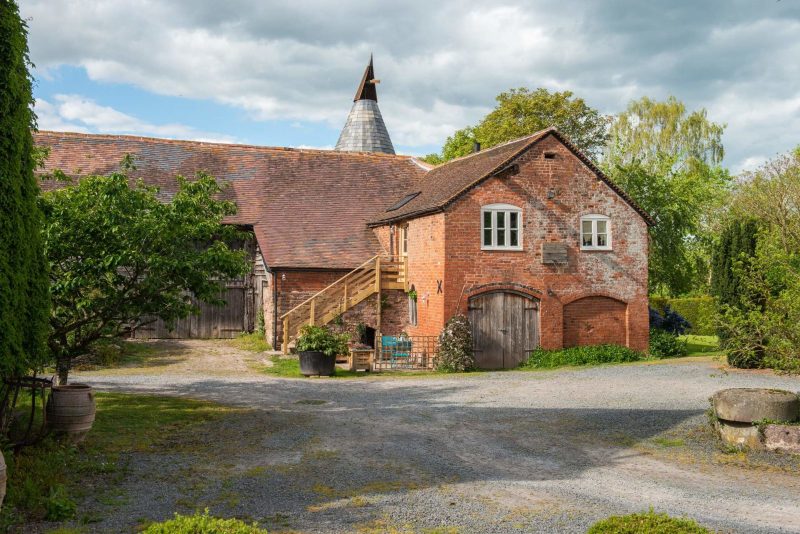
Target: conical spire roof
364, 130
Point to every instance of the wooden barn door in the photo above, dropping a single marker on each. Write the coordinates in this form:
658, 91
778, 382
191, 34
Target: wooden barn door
237, 315
505, 328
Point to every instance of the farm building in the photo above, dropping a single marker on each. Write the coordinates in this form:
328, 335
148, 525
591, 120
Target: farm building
528, 239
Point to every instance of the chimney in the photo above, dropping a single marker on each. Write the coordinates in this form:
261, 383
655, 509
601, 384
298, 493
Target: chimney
476, 146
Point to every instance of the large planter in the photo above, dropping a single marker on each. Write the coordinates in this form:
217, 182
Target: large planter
70, 411
3, 477
316, 363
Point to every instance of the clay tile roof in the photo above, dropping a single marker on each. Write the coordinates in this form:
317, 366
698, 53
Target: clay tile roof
308, 208
447, 182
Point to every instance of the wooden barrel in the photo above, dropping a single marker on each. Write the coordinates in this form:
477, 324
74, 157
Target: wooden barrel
3, 476
70, 410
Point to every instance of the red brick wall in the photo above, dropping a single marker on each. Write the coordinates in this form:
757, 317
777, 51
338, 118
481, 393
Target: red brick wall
620, 273
296, 286
595, 321
426, 264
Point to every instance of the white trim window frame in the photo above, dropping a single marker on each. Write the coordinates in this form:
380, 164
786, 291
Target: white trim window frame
501, 227
595, 232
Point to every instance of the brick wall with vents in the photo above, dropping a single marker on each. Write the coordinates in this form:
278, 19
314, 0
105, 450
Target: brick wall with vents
447, 247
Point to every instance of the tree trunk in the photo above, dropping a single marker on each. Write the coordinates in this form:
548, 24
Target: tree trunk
62, 367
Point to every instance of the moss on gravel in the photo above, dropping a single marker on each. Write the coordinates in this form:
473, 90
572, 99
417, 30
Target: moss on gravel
647, 523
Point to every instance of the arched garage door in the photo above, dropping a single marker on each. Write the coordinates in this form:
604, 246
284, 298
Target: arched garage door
505, 328
595, 321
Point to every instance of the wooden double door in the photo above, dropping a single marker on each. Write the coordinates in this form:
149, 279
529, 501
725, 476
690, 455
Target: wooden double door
505, 328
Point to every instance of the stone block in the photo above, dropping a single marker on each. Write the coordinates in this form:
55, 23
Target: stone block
747, 405
782, 438
742, 435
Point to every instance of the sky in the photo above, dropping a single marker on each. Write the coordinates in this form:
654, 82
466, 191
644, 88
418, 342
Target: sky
283, 73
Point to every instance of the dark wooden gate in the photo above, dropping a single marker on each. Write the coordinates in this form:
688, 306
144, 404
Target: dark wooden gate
227, 321
505, 328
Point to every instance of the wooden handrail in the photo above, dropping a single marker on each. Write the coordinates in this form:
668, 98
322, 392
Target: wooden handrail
367, 279
351, 273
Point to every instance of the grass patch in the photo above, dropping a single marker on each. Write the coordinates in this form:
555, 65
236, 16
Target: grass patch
253, 341
47, 480
106, 354
203, 524
290, 368
647, 522
669, 443
701, 345
579, 356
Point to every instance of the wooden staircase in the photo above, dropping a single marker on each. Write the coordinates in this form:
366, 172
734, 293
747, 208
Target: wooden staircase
373, 276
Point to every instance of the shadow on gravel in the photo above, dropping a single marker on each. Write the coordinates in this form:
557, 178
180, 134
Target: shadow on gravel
314, 442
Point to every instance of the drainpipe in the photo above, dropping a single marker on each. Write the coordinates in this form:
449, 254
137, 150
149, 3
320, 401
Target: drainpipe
274, 310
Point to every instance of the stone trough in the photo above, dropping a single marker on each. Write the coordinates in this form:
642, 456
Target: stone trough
758, 418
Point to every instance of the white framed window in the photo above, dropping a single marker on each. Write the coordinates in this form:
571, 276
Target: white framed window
595, 232
501, 227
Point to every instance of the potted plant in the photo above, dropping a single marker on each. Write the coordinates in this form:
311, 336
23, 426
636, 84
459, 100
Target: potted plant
318, 348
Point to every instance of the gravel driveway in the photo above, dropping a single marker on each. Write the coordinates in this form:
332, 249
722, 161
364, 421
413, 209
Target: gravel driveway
492, 452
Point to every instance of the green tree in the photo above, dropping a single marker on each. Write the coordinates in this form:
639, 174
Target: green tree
120, 258
669, 160
757, 268
24, 301
731, 258
521, 112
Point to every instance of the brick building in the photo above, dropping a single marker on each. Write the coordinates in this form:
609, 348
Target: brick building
529, 239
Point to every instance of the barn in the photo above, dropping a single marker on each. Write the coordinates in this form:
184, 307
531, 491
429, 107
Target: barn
529, 239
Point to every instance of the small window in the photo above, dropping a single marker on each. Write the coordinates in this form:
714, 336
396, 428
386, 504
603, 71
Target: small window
595, 232
403, 201
501, 227
404, 240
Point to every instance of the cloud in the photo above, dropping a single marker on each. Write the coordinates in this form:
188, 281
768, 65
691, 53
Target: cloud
78, 114
441, 63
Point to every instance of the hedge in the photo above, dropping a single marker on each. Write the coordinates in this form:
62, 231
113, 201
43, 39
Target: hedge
699, 311
24, 283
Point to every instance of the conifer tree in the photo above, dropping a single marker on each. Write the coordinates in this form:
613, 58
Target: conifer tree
737, 244
24, 301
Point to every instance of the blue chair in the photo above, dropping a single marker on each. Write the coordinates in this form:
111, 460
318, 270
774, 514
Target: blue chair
398, 349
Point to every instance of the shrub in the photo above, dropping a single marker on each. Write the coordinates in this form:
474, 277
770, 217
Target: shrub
320, 338
647, 523
455, 346
668, 321
586, 355
203, 524
666, 345
700, 312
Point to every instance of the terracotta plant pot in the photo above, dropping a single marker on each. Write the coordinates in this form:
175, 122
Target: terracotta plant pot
316, 363
70, 411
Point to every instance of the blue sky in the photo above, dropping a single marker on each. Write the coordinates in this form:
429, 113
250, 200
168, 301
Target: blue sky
211, 120
278, 73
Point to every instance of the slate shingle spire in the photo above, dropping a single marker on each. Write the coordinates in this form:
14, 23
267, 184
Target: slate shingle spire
364, 130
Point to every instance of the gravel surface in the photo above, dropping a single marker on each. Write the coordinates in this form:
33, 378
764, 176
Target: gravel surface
492, 452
